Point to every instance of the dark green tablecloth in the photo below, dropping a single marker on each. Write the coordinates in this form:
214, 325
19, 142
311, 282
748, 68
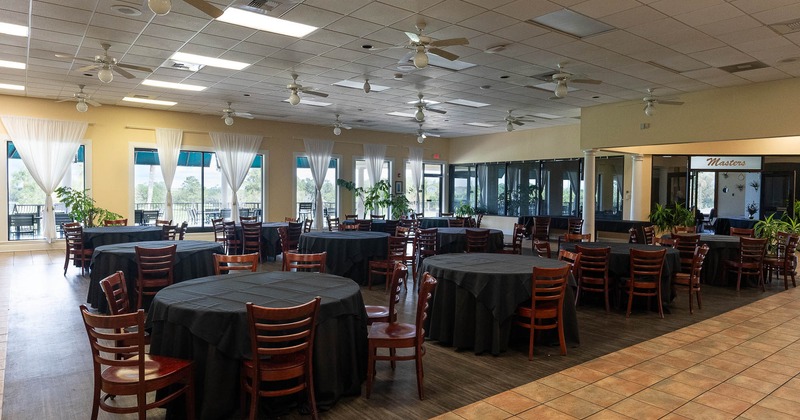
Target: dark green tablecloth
720, 248
474, 302
194, 259
205, 320
349, 252
435, 222
110, 235
452, 240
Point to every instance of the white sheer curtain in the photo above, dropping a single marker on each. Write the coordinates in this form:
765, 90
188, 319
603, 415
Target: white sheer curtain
319, 157
168, 142
415, 162
47, 147
374, 155
235, 154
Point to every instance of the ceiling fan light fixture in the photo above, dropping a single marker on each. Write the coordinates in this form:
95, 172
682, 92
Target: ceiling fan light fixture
81, 106
160, 7
419, 116
294, 98
367, 86
649, 109
561, 89
420, 139
337, 131
509, 126
420, 58
105, 75
228, 120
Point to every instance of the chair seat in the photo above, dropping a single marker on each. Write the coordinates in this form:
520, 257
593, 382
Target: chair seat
377, 313
682, 279
392, 331
156, 369
772, 260
543, 310
278, 367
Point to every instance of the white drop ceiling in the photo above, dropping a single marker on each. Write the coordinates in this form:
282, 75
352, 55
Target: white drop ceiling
676, 46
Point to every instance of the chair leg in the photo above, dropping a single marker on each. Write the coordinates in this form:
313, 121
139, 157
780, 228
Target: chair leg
66, 264
370, 368
561, 341
189, 397
630, 302
312, 399
253, 400
690, 300
738, 280
420, 372
659, 303
96, 401
530, 341
605, 291
392, 354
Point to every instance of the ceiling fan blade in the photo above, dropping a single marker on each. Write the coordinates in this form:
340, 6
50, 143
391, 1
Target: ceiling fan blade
315, 93
134, 67
431, 134
72, 57
413, 37
449, 42
517, 122
438, 111
122, 72
205, 7
89, 68
66, 100
245, 115
92, 103
444, 54
665, 102
586, 81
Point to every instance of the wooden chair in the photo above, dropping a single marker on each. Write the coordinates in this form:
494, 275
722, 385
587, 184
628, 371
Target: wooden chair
683, 229
377, 216
577, 237
350, 217
593, 273
456, 223
645, 277
478, 220
162, 222
291, 219
307, 225
411, 247
219, 231
545, 309
750, 261
687, 247
632, 237
477, 240
446, 214
649, 233
541, 248
469, 222
390, 226
116, 222
396, 251
574, 225
224, 264
349, 226
573, 259
364, 224
251, 238
169, 233
784, 261
541, 228
516, 240
233, 241
691, 280
282, 348
743, 232
115, 289
427, 246
333, 223
394, 335
117, 373
76, 251
243, 219
294, 230
155, 270
309, 263
379, 313
182, 230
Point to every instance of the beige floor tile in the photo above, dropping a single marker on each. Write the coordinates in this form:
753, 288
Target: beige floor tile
752, 383
675, 364
608, 415
734, 391
660, 399
638, 409
481, 411
639, 376
584, 374
511, 402
538, 392
679, 389
620, 386
563, 382
787, 393
794, 384
574, 406
697, 411
721, 363
674, 416
448, 416
661, 366
760, 413
766, 375
780, 404
699, 381
544, 412
739, 357
604, 366
597, 395
709, 372
722, 402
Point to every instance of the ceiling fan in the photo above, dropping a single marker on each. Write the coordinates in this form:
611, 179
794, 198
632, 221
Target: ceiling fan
422, 105
295, 88
650, 102
228, 113
423, 44
562, 78
338, 126
83, 99
422, 134
162, 7
512, 120
106, 64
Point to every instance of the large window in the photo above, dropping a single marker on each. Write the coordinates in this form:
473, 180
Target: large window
305, 193
26, 199
608, 191
361, 179
198, 191
430, 192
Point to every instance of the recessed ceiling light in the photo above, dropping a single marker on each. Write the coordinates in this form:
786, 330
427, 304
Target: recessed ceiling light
480, 124
486, 87
12, 29
12, 64
406, 67
266, 23
505, 76
246, 94
11, 87
209, 61
367, 46
148, 101
401, 114
547, 116
571, 23
359, 84
171, 85
311, 103
127, 10
464, 102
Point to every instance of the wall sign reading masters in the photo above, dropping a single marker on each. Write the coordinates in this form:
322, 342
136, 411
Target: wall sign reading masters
725, 163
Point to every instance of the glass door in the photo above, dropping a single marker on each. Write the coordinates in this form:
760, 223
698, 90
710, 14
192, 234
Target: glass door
432, 189
777, 193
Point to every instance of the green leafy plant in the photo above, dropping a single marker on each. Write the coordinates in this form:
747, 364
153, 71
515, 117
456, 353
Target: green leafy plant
374, 198
400, 206
465, 210
769, 227
666, 218
82, 208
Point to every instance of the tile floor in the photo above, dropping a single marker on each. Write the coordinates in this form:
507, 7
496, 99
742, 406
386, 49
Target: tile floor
739, 364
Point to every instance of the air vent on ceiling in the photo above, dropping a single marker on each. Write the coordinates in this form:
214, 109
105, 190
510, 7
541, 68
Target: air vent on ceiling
786, 27
752, 65
179, 65
139, 96
273, 7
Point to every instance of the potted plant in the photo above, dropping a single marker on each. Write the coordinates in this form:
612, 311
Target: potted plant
400, 206
82, 208
752, 209
465, 210
665, 218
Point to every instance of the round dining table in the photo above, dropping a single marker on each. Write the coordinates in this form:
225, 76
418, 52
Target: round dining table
193, 259
349, 252
435, 222
474, 303
205, 320
272, 241
110, 235
454, 240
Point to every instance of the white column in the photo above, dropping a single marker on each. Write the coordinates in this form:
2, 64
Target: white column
636, 186
588, 191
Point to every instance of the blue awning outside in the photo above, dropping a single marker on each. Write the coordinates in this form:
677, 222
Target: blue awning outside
192, 159
302, 162
12, 152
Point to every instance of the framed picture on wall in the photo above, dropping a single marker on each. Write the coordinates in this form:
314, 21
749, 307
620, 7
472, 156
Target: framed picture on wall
398, 187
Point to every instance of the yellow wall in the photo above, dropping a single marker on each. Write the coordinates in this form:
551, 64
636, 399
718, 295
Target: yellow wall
543, 143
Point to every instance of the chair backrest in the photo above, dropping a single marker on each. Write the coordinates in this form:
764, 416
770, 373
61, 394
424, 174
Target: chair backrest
283, 234
517, 237
548, 285
364, 224
578, 237
402, 231
248, 218
397, 248
350, 216
161, 222
786, 242
413, 224
697, 264
114, 339
377, 216
399, 277
632, 237
291, 219
686, 244
155, 265
423, 303
571, 258
168, 233
574, 225
310, 263
294, 230
646, 265
468, 222
251, 231
593, 263
333, 223
649, 233
477, 240
219, 229
116, 291
349, 226
182, 230
116, 222
541, 228
224, 264
478, 220
752, 250
73, 234
283, 334
390, 226
457, 222
307, 225
427, 242
446, 214
541, 248
742, 232
684, 229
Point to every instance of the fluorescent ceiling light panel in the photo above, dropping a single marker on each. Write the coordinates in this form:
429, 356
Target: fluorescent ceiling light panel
547, 116
12, 64
310, 102
261, 22
11, 87
464, 102
479, 124
209, 61
355, 84
552, 87
575, 24
435, 60
170, 85
12, 29
401, 114
148, 101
